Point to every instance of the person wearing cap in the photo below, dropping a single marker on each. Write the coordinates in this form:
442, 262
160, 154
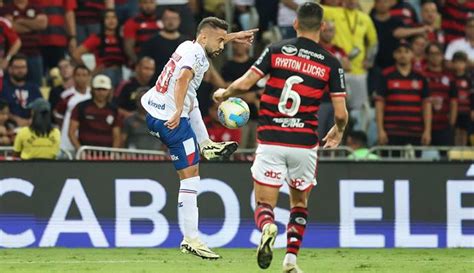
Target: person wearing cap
96, 122
403, 107
40, 140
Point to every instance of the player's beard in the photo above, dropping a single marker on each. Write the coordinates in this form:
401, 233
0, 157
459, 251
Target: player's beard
213, 54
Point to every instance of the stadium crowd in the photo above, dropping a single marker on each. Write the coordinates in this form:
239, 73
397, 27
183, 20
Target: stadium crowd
81, 66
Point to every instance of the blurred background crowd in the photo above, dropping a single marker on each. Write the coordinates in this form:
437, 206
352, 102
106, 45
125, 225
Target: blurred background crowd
73, 71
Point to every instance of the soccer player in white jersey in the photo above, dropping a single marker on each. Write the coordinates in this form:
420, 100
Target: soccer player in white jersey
174, 117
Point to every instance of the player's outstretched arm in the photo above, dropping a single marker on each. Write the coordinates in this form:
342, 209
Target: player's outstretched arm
334, 136
180, 90
241, 85
244, 37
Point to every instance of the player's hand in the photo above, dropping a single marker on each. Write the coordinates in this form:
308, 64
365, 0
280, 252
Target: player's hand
382, 137
173, 122
219, 95
333, 138
245, 37
426, 138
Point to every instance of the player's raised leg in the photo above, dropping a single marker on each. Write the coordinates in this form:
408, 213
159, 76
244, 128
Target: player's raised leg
209, 149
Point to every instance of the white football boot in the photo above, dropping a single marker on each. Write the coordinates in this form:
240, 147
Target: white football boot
265, 248
198, 248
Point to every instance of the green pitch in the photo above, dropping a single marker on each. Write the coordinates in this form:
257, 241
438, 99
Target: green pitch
234, 261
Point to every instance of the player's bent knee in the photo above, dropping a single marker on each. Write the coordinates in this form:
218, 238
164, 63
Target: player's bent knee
188, 172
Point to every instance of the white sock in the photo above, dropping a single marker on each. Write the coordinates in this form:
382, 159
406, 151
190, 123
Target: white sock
290, 258
198, 126
188, 214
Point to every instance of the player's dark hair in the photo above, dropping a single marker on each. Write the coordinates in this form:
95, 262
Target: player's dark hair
309, 16
18, 56
3, 104
81, 67
358, 137
41, 122
212, 22
460, 56
430, 45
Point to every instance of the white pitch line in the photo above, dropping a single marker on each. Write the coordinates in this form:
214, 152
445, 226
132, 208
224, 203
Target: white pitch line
82, 262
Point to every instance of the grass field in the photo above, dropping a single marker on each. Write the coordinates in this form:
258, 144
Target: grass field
234, 260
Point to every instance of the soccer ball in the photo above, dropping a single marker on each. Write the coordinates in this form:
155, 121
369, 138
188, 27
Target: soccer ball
233, 113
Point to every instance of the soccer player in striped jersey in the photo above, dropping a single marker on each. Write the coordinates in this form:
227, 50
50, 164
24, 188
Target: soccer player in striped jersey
299, 70
174, 117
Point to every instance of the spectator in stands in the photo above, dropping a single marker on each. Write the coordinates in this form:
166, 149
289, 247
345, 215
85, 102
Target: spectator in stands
404, 11
443, 97
186, 8
286, 17
161, 46
418, 44
455, 15
107, 47
465, 88
356, 34
231, 71
429, 19
403, 107
246, 15
10, 43
88, 17
128, 92
6, 126
60, 35
18, 91
465, 44
357, 141
28, 21
69, 99
388, 32
325, 113
135, 133
96, 121
67, 81
139, 29
40, 140
126, 9
216, 131
267, 15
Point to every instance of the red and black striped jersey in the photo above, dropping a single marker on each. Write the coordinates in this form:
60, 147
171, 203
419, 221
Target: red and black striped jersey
299, 70
404, 12
442, 91
141, 28
465, 90
108, 51
403, 97
455, 14
89, 11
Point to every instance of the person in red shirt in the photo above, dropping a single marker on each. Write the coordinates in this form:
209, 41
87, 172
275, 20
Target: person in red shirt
418, 44
465, 89
455, 14
10, 43
88, 17
140, 29
443, 95
59, 37
96, 121
217, 132
28, 20
107, 48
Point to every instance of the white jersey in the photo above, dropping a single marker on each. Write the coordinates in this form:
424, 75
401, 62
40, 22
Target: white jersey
159, 100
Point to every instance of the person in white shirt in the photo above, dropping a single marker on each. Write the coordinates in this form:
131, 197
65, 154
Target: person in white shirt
174, 117
465, 44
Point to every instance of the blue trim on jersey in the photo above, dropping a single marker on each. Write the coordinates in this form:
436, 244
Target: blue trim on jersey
181, 141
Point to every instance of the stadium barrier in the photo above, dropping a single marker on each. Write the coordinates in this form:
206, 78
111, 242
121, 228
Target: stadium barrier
7, 153
133, 204
105, 153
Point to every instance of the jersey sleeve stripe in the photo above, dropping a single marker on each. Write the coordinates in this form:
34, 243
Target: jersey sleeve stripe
188, 67
258, 71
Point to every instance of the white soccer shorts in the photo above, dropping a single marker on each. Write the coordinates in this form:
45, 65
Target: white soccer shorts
273, 165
